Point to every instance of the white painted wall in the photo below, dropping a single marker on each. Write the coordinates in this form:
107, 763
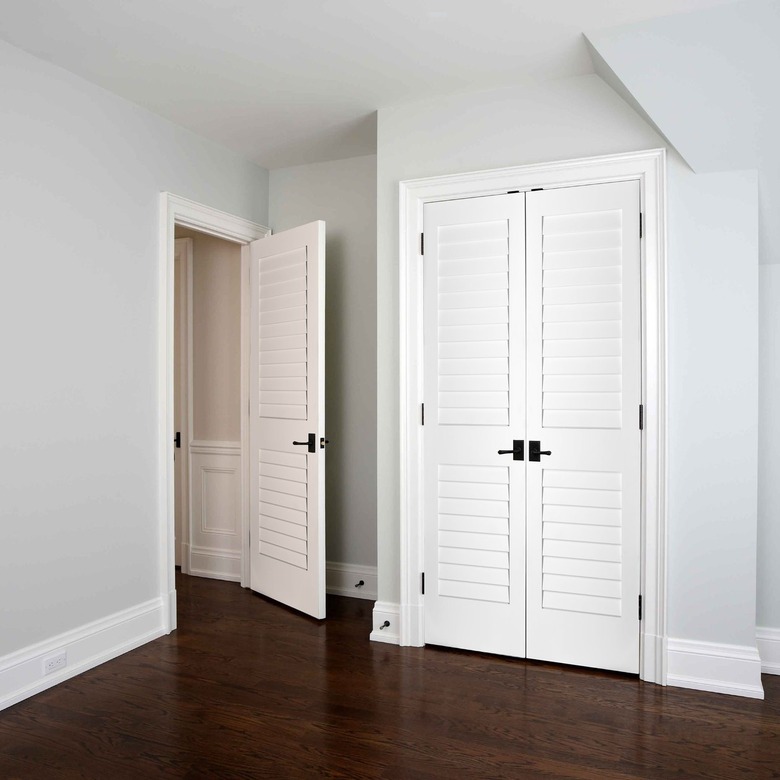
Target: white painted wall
713, 404
79, 477
769, 448
216, 337
712, 90
577, 118
343, 193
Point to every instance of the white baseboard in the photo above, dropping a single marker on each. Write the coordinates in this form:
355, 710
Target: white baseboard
706, 666
215, 564
652, 668
169, 609
343, 578
768, 641
22, 674
384, 611
185, 558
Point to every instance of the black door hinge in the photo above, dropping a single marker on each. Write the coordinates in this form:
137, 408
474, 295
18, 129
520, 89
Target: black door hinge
641, 417
640, 607
422, 583
641, 227
177, 440
422, 243
422, 414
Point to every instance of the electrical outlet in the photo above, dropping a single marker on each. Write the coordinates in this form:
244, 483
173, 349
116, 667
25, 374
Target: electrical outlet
54, 663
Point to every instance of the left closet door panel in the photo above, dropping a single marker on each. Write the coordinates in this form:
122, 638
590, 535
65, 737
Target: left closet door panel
474, 395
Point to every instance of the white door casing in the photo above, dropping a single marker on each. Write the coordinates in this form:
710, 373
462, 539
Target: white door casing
649, 169
474, 498
181, 411
175, 210
287, 393
584, 391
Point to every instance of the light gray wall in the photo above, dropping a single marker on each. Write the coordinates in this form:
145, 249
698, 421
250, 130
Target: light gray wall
712, 90
343, 193
712, 355
578, 118
79, 203
769, 449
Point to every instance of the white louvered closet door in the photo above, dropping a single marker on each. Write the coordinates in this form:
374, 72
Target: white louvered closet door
474, 398
584, 391
287, 405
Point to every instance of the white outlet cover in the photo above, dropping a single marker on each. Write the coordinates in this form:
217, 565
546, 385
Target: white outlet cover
55, 662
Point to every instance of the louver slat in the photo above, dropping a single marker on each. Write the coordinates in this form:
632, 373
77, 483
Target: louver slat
283, 340
582, 310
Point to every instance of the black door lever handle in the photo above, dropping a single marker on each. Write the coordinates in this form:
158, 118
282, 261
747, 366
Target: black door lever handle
518, 451
311, 443
534, 451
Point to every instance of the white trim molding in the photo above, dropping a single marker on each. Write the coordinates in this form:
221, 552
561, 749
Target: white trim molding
649, 169
385, 612
215, 564
209, 447
706, 666
343, 580
185, 390
215, 552
768, 641
175, 210
22, 673
205, 219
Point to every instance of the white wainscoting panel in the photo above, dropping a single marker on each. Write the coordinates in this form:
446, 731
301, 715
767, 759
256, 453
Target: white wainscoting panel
384, 611
22, 673
215, 510
343, 580
768, 641
706, 666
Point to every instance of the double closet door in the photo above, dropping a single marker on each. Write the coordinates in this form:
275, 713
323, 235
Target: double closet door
532, 387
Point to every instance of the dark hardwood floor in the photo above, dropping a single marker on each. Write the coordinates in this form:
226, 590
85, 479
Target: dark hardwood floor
248, 689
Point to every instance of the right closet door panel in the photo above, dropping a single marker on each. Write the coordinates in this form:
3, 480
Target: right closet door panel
583, 327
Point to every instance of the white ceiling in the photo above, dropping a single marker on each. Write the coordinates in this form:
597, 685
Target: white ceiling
285, 82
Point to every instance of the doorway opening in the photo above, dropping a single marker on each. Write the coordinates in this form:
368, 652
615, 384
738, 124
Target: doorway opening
207, 406
259, 502
183, 214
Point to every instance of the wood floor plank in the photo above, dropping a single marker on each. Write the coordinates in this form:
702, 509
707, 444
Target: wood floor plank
247, 689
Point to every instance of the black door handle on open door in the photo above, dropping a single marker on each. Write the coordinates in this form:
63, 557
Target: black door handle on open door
534, 451
311, 443
517, 450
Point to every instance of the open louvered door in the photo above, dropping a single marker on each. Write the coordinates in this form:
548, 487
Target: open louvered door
584, 385
474, 499
287, 394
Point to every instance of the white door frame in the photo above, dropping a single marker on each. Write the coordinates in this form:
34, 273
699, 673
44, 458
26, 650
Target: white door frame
186, 381
649, 168
175, 210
